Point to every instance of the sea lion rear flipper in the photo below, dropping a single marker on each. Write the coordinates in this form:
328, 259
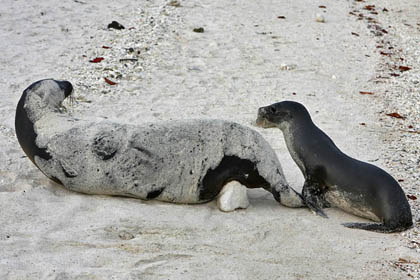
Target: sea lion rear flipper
372, 227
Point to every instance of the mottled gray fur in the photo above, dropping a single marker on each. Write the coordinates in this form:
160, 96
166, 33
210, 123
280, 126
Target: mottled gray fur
169, 158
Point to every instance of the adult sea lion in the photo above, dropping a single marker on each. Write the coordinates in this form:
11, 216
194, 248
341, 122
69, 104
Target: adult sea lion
333, 178
176, 161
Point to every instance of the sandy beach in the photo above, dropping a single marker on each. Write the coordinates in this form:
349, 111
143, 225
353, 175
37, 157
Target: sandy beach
354, 64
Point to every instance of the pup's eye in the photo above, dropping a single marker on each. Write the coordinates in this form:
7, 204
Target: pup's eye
272, 110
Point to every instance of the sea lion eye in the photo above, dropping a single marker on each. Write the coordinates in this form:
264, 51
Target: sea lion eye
273, 110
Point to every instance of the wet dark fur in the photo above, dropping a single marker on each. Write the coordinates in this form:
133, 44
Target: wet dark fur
326, 169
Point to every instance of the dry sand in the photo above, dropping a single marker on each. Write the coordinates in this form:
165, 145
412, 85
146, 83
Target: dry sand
246, 57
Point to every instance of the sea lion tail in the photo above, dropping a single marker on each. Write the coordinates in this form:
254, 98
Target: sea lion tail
383, 228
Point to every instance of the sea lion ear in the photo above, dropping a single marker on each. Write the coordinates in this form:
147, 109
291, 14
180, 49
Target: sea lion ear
273, 109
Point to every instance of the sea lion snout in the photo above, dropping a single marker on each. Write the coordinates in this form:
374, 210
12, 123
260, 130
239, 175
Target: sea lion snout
263, 116
265, 111
66, 86
261, 111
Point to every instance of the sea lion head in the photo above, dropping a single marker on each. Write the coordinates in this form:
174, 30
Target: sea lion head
50, 91
39, 99
281, 113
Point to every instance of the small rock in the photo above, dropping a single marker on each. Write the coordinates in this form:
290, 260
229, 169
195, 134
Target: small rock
174, 3
319, 18
115, 25
285, 66
233, 196
125, 235
199, 30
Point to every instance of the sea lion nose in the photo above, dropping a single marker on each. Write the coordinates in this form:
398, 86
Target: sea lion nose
262, 111
66, 86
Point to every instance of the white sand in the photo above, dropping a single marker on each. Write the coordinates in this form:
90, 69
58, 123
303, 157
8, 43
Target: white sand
246, 58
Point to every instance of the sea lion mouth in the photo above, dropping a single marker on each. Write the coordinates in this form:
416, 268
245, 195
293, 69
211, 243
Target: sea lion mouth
264, 123
262, 120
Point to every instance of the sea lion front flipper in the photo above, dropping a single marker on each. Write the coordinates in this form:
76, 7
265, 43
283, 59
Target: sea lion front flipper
314, 198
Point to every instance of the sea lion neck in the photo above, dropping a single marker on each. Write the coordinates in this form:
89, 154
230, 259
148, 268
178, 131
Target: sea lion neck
298, 122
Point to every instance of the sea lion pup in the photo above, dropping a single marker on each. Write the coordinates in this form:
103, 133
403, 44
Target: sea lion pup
175, 161
333, 178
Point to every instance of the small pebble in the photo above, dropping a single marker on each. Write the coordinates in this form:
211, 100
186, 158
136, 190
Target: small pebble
174, 3
199, 30
125, 235
115, 25
285, 66
319, 18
